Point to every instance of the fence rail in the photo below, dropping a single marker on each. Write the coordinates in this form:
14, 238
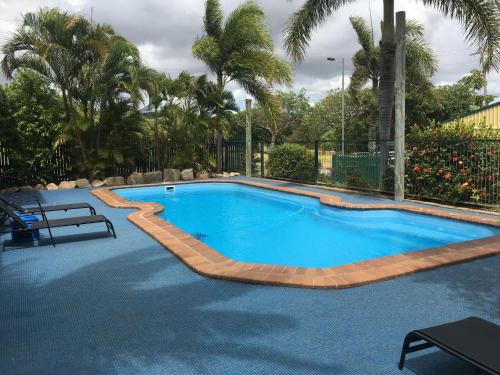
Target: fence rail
62, 167
455, 171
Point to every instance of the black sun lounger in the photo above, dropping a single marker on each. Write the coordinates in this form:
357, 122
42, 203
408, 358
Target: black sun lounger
56, 223
474, 340
51, 208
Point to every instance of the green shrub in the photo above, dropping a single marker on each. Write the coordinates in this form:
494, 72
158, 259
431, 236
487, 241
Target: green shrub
291, 161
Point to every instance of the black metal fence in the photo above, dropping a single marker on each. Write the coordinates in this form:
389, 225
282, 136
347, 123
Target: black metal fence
62, 166
454, 171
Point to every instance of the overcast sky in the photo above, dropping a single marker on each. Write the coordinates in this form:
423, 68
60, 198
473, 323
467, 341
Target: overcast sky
164, 31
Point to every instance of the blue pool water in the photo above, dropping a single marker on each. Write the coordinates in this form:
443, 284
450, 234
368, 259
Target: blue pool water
257, 225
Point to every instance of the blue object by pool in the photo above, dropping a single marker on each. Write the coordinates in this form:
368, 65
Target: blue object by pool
257, 225
31, 234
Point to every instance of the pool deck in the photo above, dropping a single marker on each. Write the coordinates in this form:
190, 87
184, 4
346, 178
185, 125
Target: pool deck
100, 306
207, 261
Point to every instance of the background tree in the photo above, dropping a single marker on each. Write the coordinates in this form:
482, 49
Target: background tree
240, 50
35, 121
454, 100
324, 119
479, 18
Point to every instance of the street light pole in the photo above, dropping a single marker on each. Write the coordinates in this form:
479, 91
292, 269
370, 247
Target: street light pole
343, 98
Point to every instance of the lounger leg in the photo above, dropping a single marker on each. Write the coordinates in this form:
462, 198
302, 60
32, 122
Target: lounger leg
409, 339
109, 224
44, 218
92, 210
51, 237
404, 350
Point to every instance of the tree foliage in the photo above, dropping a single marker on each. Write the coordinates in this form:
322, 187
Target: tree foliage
34, 121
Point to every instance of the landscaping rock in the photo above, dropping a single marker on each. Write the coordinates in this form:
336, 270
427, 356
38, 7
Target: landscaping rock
12, 189
26, 188
67, 185
40, 187
51, 186
218, 175
171, 175
234, 174
97, 183
114, 181
135, 178
225, 174
187, 174
152, 177
83, 183
202, 175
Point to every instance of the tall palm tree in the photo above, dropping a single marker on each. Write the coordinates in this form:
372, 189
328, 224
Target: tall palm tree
420, 63
479, 18
239, 49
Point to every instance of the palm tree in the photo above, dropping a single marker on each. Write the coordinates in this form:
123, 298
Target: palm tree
240, 50
421, 63
56, 45
479, 18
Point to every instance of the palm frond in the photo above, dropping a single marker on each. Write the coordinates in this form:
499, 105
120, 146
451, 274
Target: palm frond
213, 19
481, 22
301, 24
364, 33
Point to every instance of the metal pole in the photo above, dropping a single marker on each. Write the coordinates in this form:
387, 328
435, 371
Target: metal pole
343, 98
343, 108
248, 151
399, 108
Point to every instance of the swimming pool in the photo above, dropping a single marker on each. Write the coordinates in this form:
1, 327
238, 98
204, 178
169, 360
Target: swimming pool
254, 225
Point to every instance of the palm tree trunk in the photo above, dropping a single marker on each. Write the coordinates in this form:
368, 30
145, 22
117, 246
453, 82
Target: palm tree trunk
386, 92
65, 104
157, 140
218, 132
372, 126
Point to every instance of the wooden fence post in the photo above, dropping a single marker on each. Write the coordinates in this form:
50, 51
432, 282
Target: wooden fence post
248, 151
399, 137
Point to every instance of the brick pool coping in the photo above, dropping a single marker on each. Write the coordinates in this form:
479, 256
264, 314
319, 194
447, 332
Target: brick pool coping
206, 261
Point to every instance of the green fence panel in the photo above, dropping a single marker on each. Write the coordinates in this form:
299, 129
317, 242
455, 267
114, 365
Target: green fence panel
359, 169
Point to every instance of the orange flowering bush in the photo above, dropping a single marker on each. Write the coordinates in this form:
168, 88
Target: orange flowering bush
454, 163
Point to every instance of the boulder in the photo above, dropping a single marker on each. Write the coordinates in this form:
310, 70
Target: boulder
136, 178
26, 188
202, 175
171, 175
217, 175
12, 189
67, 185
83, 183
51, 186
187, 174
234, 174
97, 183
153, 177
40, 187
225, 174
114, 181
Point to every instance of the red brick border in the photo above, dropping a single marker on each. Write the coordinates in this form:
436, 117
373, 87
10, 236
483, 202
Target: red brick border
206, 261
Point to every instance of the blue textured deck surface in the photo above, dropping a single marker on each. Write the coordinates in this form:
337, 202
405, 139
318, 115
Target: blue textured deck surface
95, 305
